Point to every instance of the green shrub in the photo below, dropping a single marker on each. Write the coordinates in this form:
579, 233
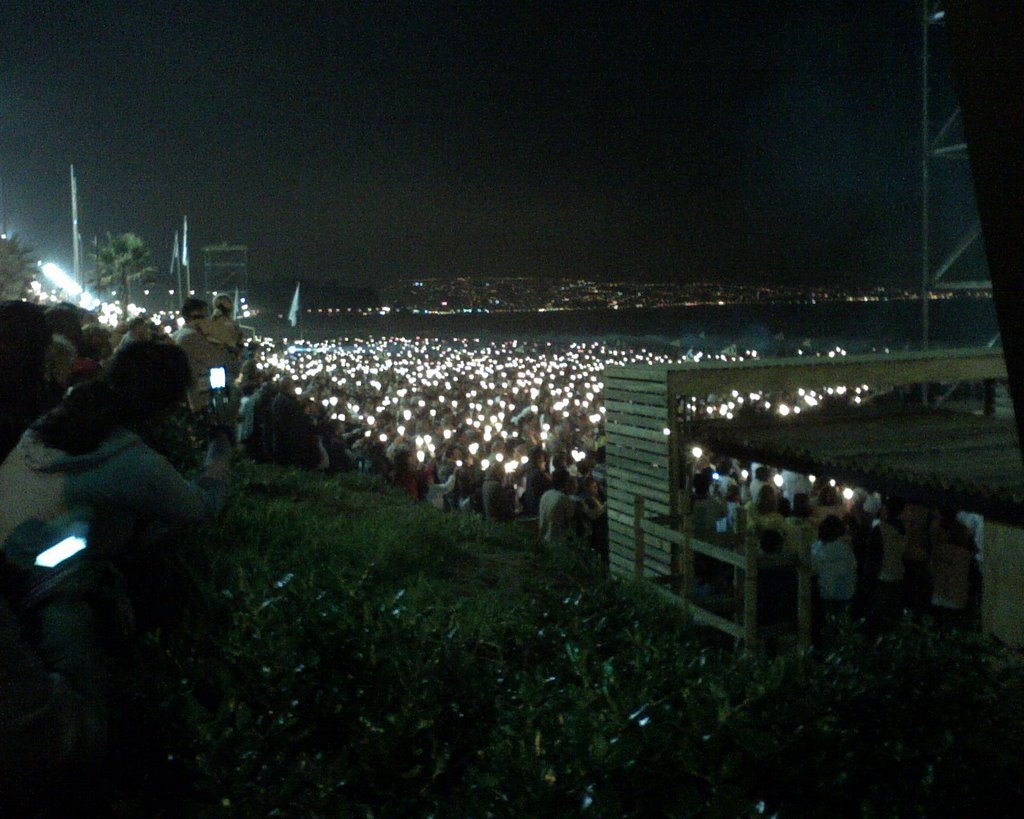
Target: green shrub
343, 651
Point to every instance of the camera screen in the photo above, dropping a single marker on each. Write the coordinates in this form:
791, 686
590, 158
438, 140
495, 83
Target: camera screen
218, 378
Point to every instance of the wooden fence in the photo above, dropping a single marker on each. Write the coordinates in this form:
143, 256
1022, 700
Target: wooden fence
640, 463
650, 473
736, 613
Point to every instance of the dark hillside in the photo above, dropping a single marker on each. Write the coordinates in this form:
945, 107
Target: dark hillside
339, 651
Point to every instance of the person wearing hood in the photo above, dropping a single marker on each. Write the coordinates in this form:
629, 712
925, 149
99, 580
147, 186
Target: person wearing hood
82, 468
88, 452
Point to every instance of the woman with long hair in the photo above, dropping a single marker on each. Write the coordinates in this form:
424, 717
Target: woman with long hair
84, 470
88, 451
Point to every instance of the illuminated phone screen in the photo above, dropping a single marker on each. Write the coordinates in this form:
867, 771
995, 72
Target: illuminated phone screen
60, 552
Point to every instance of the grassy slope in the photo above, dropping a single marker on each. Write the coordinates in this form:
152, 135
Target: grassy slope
346, 652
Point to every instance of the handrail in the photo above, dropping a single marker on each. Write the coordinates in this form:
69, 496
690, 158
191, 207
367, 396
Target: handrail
746, 558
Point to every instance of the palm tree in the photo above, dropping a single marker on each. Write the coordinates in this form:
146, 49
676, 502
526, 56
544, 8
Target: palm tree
122, 261
17, 268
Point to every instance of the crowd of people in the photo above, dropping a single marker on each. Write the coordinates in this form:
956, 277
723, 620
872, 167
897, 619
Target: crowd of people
85, 490
512, 431
84, 496
447, 437
872, 557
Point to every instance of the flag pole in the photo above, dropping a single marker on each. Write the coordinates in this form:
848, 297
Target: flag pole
74, 229
176, 268
3, 210
184, 259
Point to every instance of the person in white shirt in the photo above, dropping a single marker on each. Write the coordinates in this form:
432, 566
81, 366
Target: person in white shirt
835, 565
794, 483
762, 475
558, 511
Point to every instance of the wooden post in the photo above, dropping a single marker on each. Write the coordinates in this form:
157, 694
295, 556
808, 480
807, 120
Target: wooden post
750, 595
677, 505
638, 535
683, 508
686, 588
741, 540
989, 387
805, 596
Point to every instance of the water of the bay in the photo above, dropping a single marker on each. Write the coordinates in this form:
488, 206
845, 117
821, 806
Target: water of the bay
769, 328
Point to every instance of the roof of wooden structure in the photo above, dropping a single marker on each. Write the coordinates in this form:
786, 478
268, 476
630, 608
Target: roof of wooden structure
935, 458
707, 377
938, 458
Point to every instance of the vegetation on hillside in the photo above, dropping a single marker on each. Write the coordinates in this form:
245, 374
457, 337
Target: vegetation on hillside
331, 649
17, 267
122, 261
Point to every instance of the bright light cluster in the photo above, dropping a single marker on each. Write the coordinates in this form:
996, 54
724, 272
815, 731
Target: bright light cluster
426, 393
422, 392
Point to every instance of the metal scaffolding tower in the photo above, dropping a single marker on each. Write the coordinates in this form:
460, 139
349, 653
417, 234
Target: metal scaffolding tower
226, 269
937, 147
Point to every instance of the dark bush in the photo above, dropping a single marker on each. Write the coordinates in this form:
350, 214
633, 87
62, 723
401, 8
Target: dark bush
346, 652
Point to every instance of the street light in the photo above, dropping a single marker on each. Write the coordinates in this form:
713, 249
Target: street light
61, 279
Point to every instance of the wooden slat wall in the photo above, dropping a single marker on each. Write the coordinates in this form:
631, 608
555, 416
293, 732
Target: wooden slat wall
639, 463
1004, 404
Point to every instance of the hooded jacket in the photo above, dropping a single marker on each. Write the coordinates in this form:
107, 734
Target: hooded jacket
123, 482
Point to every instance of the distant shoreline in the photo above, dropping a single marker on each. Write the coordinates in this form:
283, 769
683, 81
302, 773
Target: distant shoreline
770, 328
340, 313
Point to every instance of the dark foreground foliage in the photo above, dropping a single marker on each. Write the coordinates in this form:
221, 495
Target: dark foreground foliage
332, 650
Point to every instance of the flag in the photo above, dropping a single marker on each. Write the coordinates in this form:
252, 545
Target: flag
176, 255
293, 313
184, 244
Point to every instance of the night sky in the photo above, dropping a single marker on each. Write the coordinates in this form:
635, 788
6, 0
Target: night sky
362, 142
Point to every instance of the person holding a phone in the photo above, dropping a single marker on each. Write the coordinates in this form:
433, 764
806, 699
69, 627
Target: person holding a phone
204, 352
81, 486
90, 450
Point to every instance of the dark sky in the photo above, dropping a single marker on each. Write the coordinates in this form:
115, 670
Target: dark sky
360, 142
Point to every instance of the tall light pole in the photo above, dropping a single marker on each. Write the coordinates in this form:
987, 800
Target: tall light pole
926, 14
3, 210
184, 257
75, 243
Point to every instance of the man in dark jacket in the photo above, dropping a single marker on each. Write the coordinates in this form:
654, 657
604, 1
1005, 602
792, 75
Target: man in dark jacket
293, 435
24, 337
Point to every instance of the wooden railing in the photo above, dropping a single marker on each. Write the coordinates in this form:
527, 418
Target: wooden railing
738, 549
